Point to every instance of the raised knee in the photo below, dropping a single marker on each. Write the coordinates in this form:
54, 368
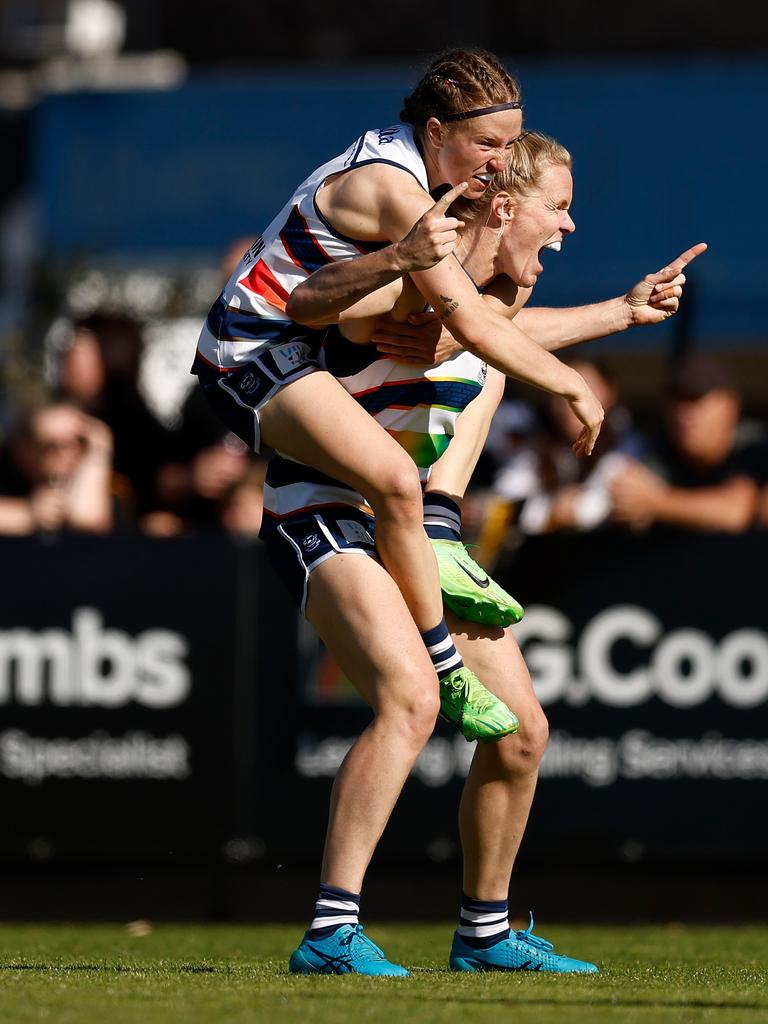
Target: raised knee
399, 491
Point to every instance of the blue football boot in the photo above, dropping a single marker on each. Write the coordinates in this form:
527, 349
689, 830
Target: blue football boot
522, 951
346, 951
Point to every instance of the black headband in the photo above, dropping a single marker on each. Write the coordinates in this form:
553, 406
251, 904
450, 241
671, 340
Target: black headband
514, 105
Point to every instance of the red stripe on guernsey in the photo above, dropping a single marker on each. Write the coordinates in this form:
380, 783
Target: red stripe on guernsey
263, 282
387, 384
214, 366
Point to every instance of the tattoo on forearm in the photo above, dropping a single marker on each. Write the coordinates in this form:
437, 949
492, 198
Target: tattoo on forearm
449, 306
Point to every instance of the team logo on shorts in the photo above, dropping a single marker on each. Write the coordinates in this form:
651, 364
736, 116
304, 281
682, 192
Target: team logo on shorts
482, 374
310, 542
249, 383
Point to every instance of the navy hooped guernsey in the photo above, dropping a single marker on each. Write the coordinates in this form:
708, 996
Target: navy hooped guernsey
417, 406
249, 315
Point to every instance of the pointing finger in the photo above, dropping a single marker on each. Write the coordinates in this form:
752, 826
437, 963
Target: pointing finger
445, 201
688, 256
674, 268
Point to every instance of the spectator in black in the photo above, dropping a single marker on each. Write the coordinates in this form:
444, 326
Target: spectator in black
56, 473
701, 475
211, 479
99, 372
552, 488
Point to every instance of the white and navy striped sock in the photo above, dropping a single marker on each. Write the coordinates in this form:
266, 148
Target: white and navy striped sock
442, 650
483, 923
334, 907
442, 517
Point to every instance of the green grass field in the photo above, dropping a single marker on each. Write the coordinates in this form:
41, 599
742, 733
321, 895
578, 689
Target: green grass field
199, 973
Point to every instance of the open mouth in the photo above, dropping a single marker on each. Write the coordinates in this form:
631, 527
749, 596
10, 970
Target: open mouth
555, 246
485, 178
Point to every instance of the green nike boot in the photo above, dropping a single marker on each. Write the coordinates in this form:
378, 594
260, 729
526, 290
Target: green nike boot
469, 591
473, 709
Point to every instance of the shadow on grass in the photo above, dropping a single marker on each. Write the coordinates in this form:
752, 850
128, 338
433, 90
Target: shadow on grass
650, 1004
111, 968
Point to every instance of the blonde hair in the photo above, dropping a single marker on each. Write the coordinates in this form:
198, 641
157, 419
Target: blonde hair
531, 155
458, 81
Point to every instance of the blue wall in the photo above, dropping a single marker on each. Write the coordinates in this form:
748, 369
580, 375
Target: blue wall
666, 154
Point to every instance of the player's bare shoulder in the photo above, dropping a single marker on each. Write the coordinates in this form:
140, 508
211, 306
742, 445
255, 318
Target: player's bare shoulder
506, 297
373, 202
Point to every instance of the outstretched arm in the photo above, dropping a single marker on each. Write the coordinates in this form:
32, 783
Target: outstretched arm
650, 301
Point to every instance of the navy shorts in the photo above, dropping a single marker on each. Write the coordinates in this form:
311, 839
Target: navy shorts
297, 544
237, 395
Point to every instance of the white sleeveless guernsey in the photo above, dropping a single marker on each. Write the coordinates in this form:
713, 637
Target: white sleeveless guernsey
249, 315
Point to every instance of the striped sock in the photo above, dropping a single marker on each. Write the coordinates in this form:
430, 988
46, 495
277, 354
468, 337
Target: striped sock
483, 923
334, 907
442, 517
442, 650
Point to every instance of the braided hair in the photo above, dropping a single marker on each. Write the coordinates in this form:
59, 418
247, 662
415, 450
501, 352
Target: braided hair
458, 81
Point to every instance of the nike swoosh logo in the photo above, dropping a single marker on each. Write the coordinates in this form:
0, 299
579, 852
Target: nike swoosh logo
481, 583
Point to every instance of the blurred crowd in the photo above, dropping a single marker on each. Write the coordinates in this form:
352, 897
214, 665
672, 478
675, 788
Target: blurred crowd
698, 464
94, 458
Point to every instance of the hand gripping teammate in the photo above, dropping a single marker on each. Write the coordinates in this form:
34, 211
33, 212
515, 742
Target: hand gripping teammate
258, 368
525, 211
